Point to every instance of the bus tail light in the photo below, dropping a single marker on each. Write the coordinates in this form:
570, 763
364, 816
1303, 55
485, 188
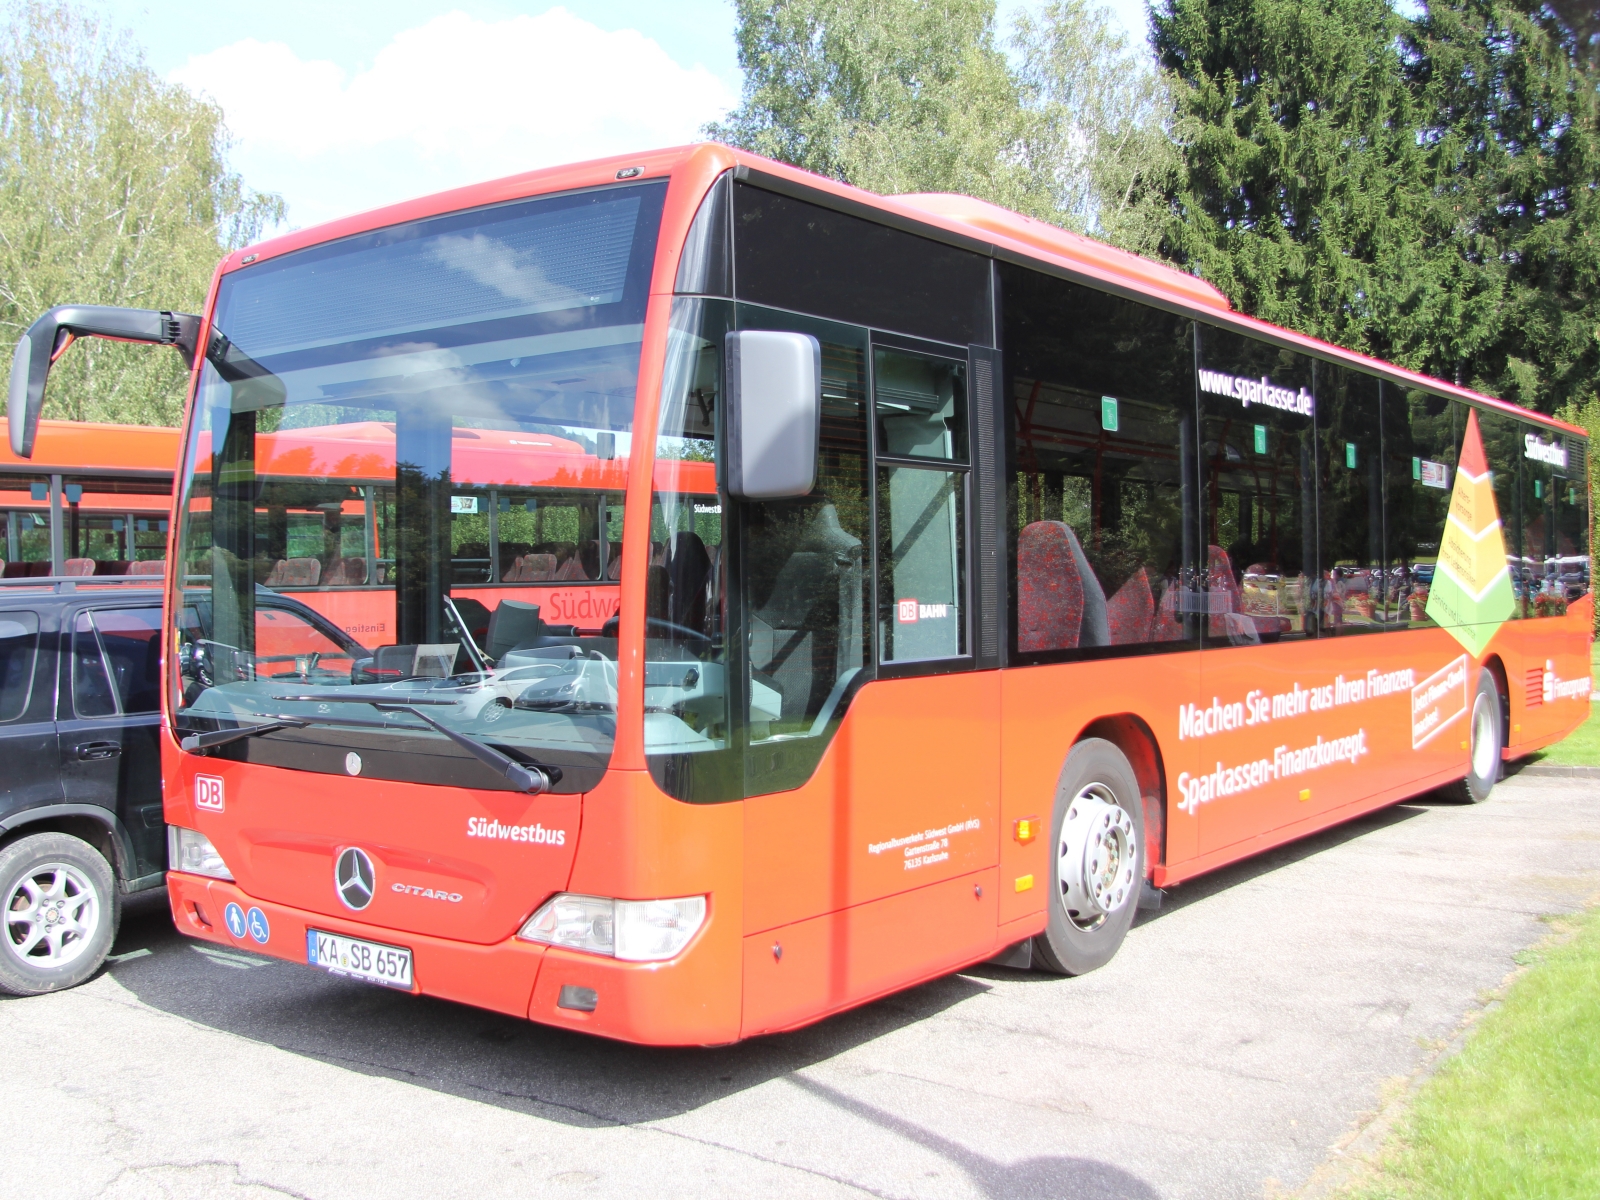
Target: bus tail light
633, 930
191, 851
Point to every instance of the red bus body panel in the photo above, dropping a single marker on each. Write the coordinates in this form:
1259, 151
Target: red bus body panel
899, 859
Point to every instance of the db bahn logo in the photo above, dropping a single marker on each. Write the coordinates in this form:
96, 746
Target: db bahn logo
354, 879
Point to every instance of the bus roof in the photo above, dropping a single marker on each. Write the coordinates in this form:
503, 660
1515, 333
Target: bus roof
960, 220
87, 448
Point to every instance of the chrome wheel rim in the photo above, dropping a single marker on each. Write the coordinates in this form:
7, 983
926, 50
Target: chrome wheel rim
51, 916
1484, 748
1096, 857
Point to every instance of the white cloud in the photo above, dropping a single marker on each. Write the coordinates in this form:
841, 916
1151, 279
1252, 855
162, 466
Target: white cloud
453, 101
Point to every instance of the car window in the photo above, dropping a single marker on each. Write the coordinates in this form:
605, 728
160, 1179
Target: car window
130, 639
19, 647
91, 686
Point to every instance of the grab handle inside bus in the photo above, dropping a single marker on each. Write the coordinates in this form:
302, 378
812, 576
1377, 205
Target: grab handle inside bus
52, 333
774, 418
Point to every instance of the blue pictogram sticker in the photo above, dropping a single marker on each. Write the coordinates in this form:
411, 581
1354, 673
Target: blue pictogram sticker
257, 922
234, 916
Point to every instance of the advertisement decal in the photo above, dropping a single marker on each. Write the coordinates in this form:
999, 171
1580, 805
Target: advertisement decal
1471, 595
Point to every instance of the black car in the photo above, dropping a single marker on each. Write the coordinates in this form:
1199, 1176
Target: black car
80, 793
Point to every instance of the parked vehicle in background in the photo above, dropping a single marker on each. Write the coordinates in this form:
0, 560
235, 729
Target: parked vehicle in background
94, 500
975, 577
81, 824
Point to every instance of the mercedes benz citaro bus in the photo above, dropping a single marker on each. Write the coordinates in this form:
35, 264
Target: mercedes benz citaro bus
762, 595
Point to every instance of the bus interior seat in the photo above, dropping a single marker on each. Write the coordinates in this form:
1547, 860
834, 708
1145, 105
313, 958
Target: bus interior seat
807, 635
78, 566
474, 616
1049, 589
531, 568
687, 569
347, 572
512, 623
1060, 604
1131, 612
111, 566
295, 572
148, 566
571, 569
589, 556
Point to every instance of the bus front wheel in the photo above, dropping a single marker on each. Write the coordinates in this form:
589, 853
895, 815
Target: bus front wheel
1096, 860
1486, 738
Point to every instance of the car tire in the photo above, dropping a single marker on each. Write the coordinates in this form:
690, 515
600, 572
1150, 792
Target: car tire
59, 906
1486, 738
1096, 860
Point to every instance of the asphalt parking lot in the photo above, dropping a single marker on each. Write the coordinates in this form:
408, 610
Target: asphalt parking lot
1246, 1030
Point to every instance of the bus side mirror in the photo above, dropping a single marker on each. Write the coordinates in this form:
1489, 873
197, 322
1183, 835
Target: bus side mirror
49, 336
774, 415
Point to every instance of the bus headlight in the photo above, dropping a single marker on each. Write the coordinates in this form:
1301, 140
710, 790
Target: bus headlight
633, 930
190, 850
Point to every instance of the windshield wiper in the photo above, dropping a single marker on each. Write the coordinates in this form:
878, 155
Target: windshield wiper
533, 779
196, 742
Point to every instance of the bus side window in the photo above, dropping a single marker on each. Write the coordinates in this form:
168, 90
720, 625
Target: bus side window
1511, 477
1102, 404
1421, 435
1263, 578
1358, 597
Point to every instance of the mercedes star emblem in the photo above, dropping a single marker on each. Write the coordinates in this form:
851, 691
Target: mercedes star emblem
354, 878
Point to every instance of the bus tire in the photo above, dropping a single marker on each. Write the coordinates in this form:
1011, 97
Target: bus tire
1486, 738
59, 908
1096, 860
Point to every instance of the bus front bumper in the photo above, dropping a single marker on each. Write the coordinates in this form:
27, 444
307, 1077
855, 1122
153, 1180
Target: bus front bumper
692, 1000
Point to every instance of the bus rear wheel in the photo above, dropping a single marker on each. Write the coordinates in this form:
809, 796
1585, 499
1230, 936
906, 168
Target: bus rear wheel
1096, 860
1486, 738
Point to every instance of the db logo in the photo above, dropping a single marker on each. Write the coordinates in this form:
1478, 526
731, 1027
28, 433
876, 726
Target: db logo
908, 612
208, 793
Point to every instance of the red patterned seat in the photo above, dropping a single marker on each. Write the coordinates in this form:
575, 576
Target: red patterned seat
1049, 591
1223, 590
1131, 613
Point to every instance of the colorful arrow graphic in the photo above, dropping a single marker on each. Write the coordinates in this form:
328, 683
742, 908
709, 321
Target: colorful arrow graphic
1471, 595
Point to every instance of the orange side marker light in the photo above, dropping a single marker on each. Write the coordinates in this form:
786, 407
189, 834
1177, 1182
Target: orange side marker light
1305, 794
1025, 830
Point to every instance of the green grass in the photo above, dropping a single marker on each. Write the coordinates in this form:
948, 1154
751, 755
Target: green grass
1581, 747
1517, 1113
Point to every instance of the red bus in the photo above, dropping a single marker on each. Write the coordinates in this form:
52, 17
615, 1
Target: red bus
945, 584
93, 499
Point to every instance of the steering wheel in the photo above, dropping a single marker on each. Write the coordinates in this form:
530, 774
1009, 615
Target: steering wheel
674, 630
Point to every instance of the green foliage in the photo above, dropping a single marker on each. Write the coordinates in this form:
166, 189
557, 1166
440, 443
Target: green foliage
1423, 190
113, 190
891, 95
1304, 192
918, 96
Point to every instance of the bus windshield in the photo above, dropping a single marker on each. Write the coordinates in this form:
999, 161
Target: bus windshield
404, 482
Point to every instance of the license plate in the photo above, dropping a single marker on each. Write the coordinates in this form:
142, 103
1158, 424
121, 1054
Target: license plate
376, 963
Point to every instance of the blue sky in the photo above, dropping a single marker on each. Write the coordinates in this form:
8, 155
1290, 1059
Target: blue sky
346, 105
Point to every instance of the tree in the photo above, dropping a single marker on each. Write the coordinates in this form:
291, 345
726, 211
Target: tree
113, 190
889, 95
1513, 129
1304, 193
1423, 190
918, 95
1100, 124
